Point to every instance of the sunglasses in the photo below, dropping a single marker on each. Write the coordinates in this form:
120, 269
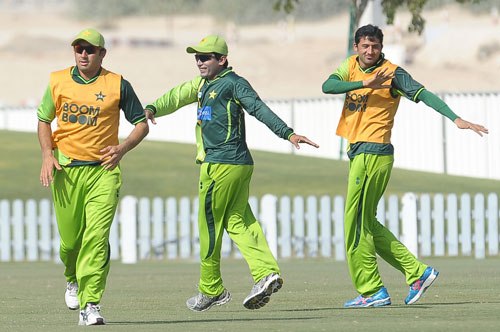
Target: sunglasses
90, 49
203, 57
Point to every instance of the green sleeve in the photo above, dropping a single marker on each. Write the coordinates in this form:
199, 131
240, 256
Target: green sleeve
343, 71
403, 84
251, 102
338, 82
46, 110
335, 85
182, 95
130, 104
437, 103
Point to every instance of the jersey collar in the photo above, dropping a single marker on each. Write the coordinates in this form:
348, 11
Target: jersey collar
79, 79
372, 68
222, 74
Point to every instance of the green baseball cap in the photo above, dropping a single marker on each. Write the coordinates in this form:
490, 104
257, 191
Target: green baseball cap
92, 36
210, 44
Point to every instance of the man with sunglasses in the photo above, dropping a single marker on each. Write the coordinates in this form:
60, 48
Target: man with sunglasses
226, 170
80, 161
373, 88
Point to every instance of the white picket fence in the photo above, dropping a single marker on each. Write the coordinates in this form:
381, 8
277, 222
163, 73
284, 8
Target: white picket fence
295, 227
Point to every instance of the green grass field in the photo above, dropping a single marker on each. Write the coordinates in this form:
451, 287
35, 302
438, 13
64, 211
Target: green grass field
167, 169
151, 295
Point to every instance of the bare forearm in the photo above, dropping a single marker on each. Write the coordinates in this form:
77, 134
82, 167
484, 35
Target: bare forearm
136, 136
45, 138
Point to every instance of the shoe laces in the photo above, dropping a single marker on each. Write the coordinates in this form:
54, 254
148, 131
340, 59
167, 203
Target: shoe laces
261, 282
72, 287
92, 308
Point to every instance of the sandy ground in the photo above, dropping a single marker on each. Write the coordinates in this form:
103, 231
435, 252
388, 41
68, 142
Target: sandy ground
458, 51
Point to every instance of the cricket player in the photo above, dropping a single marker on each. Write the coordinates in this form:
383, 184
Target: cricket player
226, 170
80, 160
373, 87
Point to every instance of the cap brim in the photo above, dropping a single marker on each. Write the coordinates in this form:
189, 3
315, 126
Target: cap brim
198, 49
88, 41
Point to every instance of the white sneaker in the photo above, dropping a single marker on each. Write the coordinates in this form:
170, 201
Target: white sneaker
90, 315
70, 296
262, 291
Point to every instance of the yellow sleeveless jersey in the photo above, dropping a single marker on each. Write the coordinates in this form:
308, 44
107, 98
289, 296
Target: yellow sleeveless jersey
88, 115
368, 115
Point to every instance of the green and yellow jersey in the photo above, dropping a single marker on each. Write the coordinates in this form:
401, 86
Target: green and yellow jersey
87, 112
221, 121
368, 114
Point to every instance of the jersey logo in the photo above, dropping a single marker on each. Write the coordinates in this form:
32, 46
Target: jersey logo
100, 96
212, 94
356, 102
205, 113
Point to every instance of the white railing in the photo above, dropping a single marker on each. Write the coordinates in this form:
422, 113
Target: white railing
295, 227
423, 139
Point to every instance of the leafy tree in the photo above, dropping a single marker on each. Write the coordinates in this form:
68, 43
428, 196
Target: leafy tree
389, 7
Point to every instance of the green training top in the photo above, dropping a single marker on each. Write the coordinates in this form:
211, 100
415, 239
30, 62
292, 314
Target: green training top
220, 115
129, 103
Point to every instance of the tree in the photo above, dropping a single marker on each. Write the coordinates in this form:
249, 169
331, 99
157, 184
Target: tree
390, 7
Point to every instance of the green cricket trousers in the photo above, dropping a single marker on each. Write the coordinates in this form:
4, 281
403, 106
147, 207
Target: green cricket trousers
85, 199
223, 199
364, 235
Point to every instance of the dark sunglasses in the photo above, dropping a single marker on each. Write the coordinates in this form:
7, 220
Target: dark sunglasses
91, 49
203, 57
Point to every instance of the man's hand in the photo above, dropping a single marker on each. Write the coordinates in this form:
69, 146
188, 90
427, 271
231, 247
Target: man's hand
296, 139
462, 124
115, 154
149, 116
376, 82
48, 164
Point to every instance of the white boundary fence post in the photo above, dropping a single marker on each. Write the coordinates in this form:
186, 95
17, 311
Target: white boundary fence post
452, 216
425, 225
18, 228
5, 248
325, 216
493, 224
338, 236
312, 226
438, 213
409, 216
465, 216
285, 217
45, 230
268, 219
479, 239
128, 221
298, 237
171, 219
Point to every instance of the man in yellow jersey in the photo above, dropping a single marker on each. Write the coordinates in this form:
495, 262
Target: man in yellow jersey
80, 160
373, 87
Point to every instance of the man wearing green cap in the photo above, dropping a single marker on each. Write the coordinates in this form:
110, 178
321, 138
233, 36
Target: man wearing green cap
226, 170
80, 160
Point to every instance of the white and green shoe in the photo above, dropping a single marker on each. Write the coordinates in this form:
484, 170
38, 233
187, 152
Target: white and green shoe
261, 292
202, 302
70, 295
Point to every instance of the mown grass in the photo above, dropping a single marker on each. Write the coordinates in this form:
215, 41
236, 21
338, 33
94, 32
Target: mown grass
151, 295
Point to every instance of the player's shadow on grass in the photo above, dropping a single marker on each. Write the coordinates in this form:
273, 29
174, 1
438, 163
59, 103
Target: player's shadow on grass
392, 306
161, 322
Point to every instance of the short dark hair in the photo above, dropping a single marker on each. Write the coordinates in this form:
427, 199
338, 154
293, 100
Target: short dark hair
369, 31
217, 57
